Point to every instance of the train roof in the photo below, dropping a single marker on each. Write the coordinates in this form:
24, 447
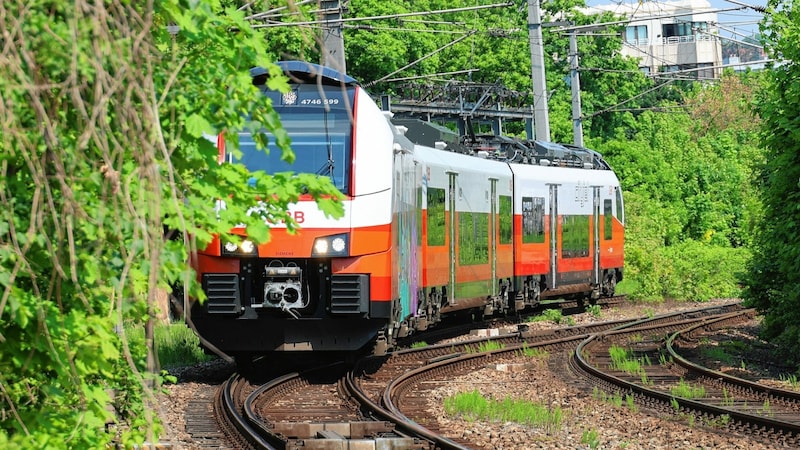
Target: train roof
502, 148
307, 72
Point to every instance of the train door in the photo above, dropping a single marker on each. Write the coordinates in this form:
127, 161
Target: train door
596, 236
553, 234
405, 272
451, 231
493, 234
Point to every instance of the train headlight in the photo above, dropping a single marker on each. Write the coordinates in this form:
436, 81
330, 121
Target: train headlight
336, 245
246, 248
321, 247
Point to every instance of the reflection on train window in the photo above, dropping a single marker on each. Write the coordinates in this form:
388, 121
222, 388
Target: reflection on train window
317, 150
620, 209
532, 220
435, 216
574, 236
506, 219
607, 219
473, 238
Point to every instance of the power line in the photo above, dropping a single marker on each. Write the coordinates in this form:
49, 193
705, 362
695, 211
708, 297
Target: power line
611, 108
391, 16
413, 63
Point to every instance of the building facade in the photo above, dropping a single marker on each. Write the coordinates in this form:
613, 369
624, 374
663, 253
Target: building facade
671, 36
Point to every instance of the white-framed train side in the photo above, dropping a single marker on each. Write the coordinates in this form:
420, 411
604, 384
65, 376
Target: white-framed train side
569, 232
465, 256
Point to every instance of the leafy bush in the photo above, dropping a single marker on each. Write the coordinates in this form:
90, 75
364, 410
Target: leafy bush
688, 270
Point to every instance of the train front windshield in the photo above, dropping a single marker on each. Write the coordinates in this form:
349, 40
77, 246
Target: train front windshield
320, 136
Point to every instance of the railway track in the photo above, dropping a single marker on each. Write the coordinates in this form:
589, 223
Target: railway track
645, 363
381, 402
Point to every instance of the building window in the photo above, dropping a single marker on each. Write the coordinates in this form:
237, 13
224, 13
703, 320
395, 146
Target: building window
636, 34
684, 29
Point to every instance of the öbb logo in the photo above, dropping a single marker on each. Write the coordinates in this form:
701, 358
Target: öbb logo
298, 216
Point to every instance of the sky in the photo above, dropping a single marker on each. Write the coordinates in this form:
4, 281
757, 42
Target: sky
734, 24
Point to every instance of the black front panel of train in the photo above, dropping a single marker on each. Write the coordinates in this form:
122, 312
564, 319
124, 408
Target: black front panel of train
292, 288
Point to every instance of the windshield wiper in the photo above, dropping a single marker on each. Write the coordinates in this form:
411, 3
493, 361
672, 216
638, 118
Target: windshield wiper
327, 168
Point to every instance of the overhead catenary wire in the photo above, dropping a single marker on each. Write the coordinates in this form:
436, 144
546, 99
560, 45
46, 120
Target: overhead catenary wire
390, 16
418, 60
274, 10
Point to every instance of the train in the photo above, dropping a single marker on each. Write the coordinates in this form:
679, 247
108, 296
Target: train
489, 225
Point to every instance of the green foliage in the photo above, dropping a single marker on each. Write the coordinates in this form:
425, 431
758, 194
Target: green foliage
791, 380
621, 359
717, 353
773, 281
474, 406
594, 310
548, 315
687, 390
690, 195
484, 347
494, 43
104, 114
177, 344
590, 438
534, 352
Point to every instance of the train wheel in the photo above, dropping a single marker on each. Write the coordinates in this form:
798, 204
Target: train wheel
610, 285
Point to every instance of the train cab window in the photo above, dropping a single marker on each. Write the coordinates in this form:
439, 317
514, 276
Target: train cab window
473, 238
318, 122
435, 216
506, 219
620, 209
608, 219
575, 236
532, 220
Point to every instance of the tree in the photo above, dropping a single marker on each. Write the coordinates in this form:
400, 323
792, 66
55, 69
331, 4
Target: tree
104, 121
773, 279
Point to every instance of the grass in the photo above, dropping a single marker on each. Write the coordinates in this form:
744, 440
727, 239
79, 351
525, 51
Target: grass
686, 390
591, 438
534, 352
717, 353
615, 399
621, 359
790, 379
552, 315
177, 345
593, 310
727, 398
484, 347
474, 406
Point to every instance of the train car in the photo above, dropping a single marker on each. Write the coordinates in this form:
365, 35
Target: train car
426, 232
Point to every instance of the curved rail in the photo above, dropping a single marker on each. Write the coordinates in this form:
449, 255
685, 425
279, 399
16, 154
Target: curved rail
434, 367
736, 417
765, 392
230, 410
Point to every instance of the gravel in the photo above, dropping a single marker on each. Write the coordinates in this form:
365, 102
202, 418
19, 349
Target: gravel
588, 421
